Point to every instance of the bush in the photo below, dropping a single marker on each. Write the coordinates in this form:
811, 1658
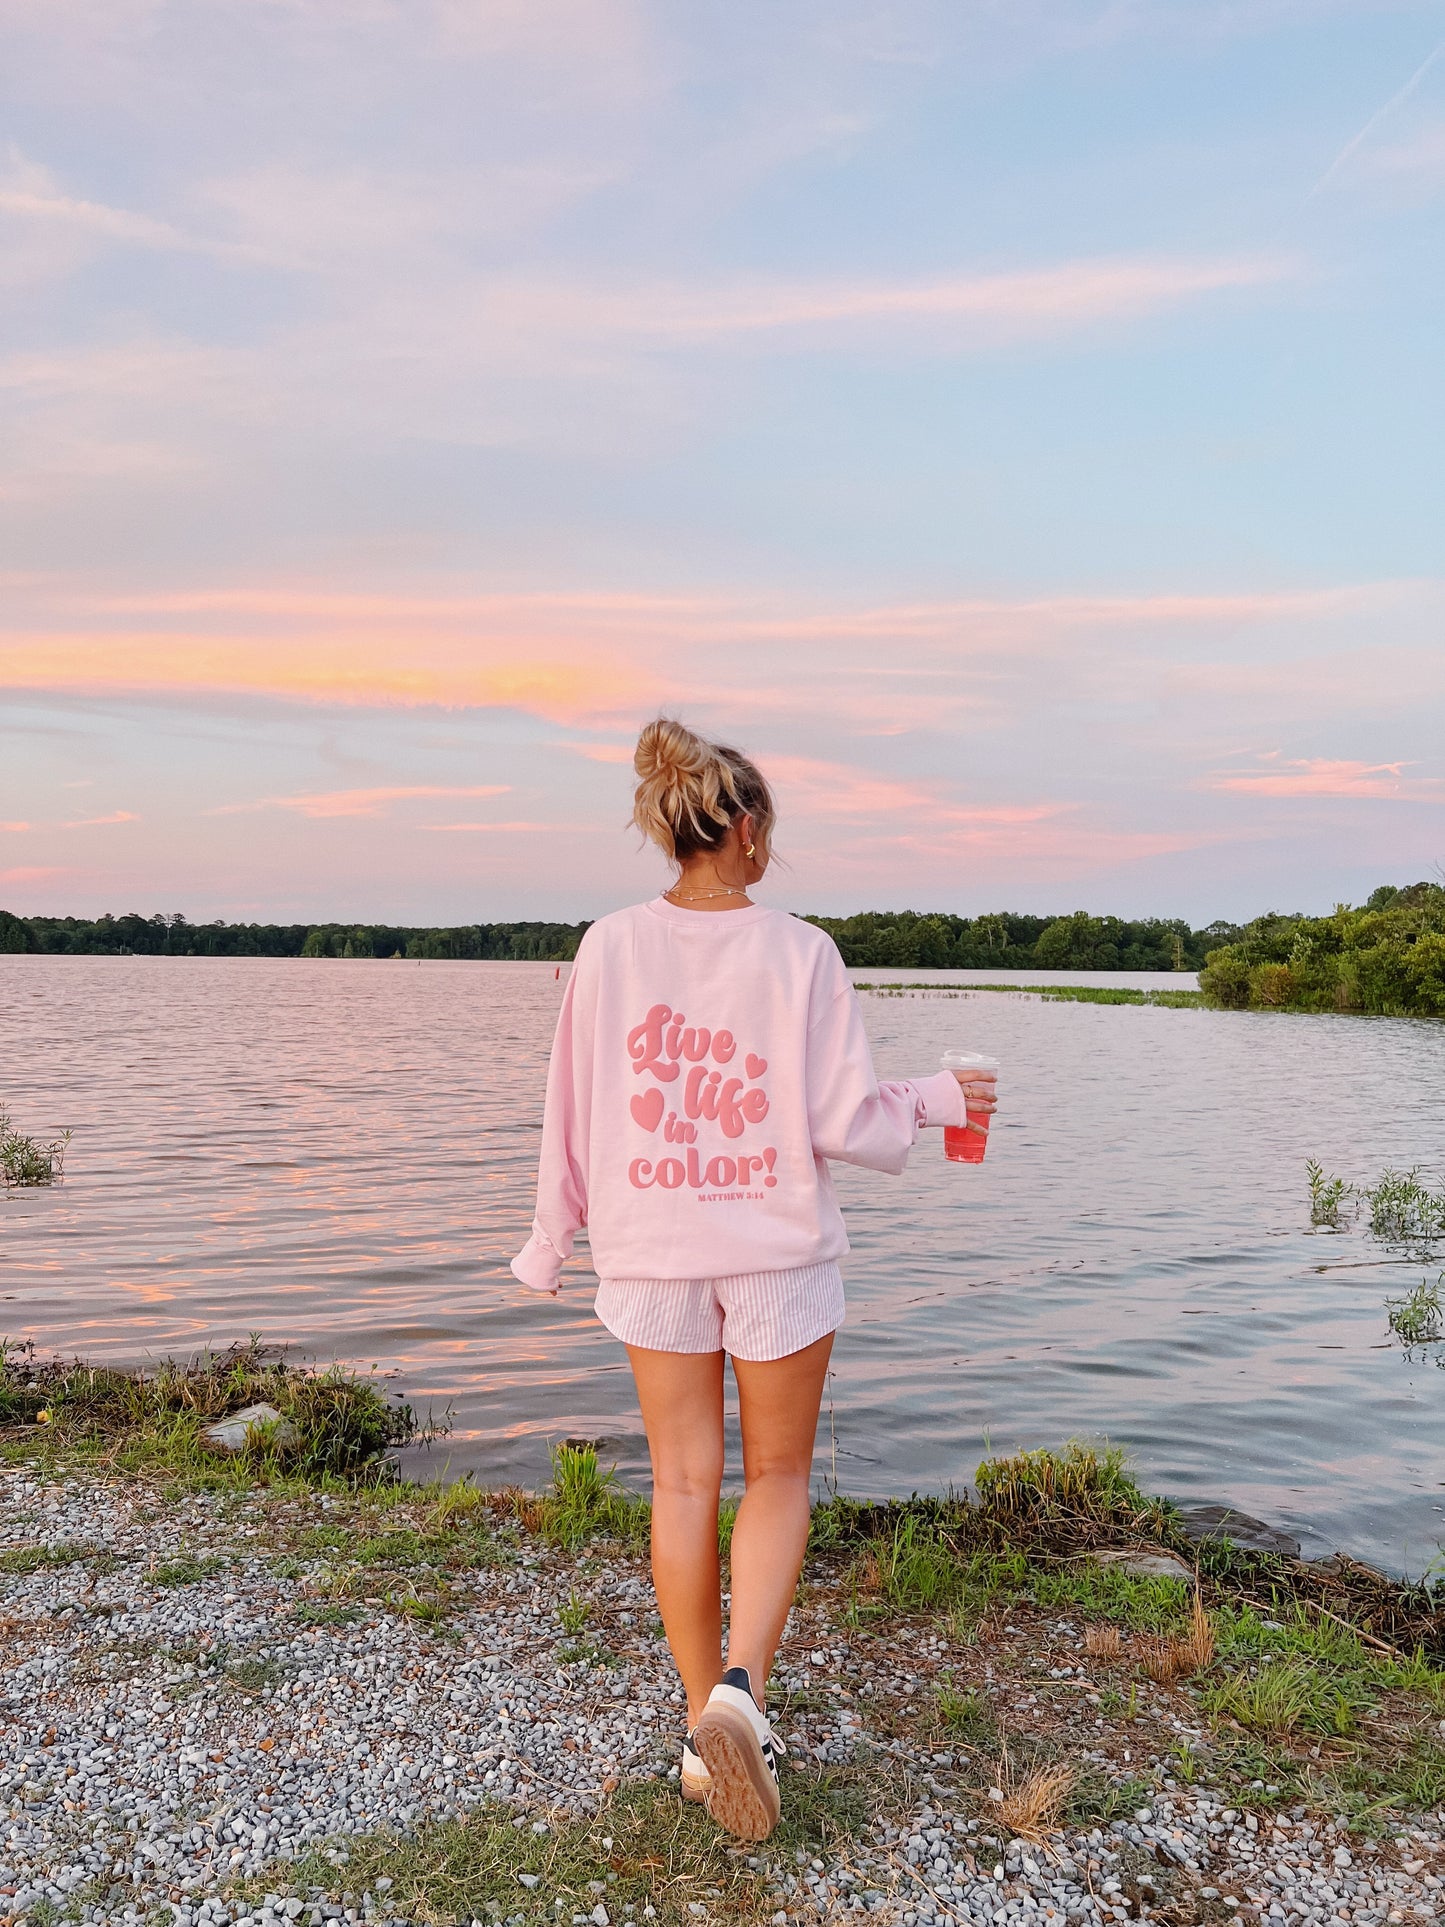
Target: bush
1387, 958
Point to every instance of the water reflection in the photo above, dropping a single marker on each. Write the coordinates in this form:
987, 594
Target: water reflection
341, 1156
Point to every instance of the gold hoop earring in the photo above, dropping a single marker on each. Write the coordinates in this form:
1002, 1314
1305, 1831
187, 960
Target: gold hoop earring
748, 851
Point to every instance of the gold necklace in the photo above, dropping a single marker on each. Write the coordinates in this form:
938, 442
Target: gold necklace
693, 896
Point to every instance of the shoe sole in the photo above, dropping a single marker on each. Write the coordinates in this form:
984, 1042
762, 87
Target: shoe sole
743, 1795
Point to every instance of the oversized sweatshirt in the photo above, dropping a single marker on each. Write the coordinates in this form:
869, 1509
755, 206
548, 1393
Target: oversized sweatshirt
706, 1066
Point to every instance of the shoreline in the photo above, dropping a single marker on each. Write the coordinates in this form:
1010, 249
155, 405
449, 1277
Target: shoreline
224, 1684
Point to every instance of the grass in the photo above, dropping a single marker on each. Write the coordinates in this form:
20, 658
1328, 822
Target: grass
573, 1615
28, 1161
1054, 993
1082, 1479
645, 1849
339, 1425
184, 1571
1290, 1696
22, 1560
1419, 1317
586, 1502
965, 1714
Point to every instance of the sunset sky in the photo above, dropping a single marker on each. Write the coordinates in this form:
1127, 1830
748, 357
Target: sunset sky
1018, 425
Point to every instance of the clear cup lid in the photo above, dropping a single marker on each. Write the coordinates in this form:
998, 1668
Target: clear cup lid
968, 1060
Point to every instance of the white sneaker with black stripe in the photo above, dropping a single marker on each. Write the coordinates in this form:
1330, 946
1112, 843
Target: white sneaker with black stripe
739, 1750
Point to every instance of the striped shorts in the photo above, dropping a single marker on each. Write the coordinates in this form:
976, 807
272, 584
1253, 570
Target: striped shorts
759, 1316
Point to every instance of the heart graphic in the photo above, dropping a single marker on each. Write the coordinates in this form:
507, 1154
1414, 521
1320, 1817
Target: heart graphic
647, 1108
755, 1066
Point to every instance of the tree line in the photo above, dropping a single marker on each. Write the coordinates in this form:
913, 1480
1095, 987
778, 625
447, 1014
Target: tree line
872, 939
174, 936
1385, 957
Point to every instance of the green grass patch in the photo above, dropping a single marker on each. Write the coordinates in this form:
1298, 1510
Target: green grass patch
1143, 1603
338, 1425
1097, 1801
21, 1560
1289, 1696
185, 1571
965, 1714
585, 1502
326, 1613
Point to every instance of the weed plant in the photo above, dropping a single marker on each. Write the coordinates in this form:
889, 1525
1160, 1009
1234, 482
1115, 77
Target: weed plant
26, 1161
1403, 1211
1419, 1318
1328, 1196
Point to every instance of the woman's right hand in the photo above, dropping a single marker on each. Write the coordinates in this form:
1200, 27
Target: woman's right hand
980, 1089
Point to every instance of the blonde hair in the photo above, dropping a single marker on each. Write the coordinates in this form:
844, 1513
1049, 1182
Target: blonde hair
690, 792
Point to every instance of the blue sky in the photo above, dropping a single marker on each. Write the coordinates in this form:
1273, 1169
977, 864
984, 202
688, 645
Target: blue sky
1020, 426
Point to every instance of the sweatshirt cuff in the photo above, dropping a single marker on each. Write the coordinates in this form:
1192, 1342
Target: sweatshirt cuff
537, 1265
942, 1097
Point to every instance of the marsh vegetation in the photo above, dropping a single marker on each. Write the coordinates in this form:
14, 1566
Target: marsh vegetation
26, 1161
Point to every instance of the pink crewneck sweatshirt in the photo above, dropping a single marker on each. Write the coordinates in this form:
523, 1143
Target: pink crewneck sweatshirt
707, 1065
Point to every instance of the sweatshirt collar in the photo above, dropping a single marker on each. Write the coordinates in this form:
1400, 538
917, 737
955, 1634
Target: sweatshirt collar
706, 920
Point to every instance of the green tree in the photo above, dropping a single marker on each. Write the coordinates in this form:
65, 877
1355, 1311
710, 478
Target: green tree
15, 933
1079, 942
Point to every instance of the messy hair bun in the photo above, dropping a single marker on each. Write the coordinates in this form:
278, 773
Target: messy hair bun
690, 792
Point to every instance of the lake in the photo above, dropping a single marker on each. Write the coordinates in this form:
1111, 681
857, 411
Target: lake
340, 1156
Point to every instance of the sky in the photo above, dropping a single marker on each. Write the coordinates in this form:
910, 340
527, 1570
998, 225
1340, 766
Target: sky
1018, 425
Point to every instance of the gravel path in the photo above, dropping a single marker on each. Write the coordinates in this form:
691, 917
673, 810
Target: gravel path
166, 1732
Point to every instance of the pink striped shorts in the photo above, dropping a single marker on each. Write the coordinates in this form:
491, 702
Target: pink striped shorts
758, 1316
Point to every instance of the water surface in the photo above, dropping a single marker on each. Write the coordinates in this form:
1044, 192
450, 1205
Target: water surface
340, 1155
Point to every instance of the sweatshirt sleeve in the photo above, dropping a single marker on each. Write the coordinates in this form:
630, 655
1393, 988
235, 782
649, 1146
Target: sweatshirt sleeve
854, 1118
562, 1167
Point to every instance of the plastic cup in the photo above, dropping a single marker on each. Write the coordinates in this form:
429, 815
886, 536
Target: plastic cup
967, 1143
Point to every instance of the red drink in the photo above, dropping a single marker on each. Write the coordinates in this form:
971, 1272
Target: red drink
967, 1143
964, 1145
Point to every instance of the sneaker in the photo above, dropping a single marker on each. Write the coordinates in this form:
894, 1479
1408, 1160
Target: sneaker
737, 1747
695, 1777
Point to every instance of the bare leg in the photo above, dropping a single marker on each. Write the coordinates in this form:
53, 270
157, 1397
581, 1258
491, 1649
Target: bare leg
778, 1403
681, 1395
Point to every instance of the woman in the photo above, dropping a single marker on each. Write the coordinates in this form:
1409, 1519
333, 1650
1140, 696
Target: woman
710, 1058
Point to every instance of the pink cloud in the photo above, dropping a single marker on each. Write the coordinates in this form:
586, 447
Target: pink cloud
31, 874
561, 829
363, 802
842, 792
16, 829
1068, 294
1315, 776
100, 822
